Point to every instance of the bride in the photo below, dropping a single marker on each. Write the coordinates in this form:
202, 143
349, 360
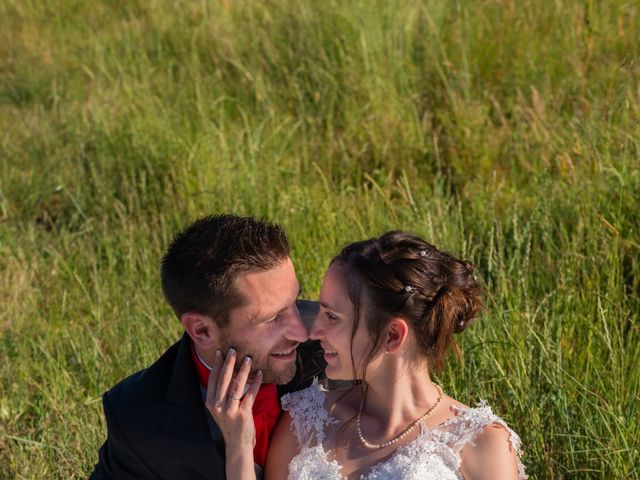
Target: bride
390, 307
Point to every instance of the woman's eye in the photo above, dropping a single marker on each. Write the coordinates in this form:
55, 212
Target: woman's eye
331, 316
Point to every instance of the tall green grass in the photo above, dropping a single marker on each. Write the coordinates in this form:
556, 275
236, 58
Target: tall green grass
506, 132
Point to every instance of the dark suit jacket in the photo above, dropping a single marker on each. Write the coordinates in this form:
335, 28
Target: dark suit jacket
157, 424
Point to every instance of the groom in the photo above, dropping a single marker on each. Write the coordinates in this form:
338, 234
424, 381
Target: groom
231, 283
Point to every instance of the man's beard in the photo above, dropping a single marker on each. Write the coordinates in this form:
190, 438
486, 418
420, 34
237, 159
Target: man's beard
270, 374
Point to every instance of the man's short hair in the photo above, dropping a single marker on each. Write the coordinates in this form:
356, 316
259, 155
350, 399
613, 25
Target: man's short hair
203, 260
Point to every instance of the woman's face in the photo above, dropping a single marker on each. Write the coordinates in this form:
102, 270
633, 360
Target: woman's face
333, 326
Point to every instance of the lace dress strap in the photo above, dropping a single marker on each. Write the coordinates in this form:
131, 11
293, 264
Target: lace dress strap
309, 418
465, 427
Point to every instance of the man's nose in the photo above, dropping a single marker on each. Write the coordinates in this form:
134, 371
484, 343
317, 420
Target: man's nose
296, 329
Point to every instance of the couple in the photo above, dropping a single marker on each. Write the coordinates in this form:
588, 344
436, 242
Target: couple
389, 308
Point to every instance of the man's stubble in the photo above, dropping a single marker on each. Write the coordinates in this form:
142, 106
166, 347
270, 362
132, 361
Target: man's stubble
270, 374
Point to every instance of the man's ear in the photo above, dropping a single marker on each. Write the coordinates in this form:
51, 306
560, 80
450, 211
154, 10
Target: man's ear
396, 335
202, 329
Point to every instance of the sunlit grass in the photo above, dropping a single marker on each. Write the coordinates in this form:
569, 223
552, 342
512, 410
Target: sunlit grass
506, 132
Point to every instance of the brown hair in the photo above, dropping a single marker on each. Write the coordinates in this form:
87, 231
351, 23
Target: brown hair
203, 260
401, 275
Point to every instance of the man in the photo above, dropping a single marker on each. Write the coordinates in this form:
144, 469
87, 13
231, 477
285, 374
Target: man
231, 283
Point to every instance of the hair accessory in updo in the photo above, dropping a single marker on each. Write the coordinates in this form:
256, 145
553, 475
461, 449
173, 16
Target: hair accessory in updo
408, 288
423, 253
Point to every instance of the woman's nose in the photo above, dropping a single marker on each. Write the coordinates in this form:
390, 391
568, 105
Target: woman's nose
316, 332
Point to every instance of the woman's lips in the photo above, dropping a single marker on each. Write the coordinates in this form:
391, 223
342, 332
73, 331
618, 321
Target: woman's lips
329, 354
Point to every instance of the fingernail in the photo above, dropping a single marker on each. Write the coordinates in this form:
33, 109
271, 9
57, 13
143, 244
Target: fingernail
218, 353
259, 373
231, 352
247, 359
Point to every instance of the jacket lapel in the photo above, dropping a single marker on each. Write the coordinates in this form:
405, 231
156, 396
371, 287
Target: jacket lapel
182, 418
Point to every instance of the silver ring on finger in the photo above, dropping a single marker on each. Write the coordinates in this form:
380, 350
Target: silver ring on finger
232, 397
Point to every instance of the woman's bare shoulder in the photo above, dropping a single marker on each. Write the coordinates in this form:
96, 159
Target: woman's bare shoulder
282, 448
492, 455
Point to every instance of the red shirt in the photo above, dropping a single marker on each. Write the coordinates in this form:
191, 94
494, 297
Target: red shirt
266, 410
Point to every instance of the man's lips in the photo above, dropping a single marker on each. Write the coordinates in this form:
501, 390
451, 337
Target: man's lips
286, 354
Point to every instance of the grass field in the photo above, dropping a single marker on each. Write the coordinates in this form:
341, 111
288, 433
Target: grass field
506, 132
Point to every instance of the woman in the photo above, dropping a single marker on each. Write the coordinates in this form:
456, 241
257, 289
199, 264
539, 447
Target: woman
390, 307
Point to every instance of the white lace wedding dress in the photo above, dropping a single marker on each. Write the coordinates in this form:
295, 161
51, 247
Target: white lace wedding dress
433, 455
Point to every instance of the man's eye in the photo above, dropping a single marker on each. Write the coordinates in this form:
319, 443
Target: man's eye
274, 319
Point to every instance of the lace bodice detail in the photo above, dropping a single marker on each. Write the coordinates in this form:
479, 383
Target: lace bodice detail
433, 455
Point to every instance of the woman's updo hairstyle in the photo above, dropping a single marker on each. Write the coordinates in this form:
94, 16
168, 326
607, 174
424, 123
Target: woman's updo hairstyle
401, 275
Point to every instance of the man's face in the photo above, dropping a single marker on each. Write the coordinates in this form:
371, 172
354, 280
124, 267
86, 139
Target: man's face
268, 328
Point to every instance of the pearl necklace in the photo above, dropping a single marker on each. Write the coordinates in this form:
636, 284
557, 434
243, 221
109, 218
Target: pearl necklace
401, 435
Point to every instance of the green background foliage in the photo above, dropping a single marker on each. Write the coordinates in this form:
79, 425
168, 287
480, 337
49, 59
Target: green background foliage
506, 132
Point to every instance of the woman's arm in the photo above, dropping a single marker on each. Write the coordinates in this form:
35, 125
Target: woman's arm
283, 447
491, 458
232, 412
